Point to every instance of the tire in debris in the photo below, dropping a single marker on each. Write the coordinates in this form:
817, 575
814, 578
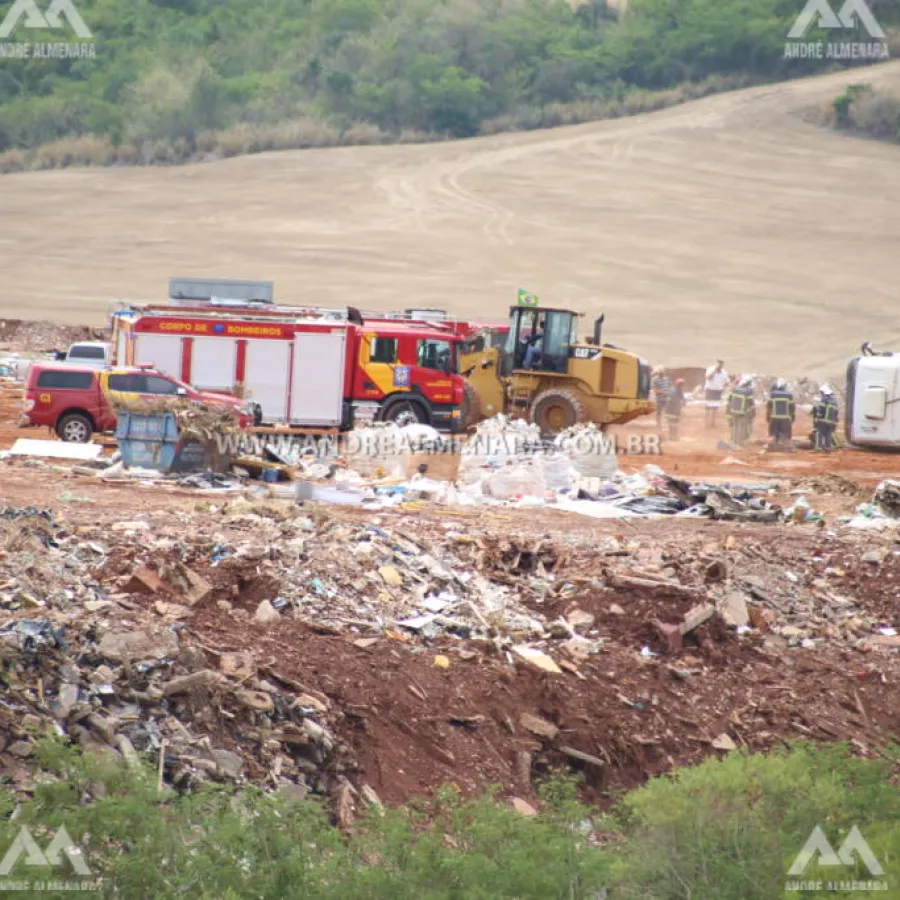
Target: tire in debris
557, 409
471, 406
405, 412
75, 428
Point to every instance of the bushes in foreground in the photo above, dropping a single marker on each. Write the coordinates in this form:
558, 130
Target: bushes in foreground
726, 829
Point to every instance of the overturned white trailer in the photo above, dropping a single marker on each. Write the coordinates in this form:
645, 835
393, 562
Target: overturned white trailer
873, 399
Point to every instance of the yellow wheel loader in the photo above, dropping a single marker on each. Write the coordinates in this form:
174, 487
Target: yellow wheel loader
538, 369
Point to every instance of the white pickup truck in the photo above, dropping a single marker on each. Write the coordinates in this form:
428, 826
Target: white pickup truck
88, 353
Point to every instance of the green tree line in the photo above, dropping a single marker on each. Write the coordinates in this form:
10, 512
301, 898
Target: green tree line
177, 71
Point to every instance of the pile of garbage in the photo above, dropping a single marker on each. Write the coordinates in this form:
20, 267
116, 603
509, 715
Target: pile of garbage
505, 463
194, 419
90, 664
22, 335
348, 576
508, 460
373, 580
654, 493
883, 512
887, 498
154, 637
829, 483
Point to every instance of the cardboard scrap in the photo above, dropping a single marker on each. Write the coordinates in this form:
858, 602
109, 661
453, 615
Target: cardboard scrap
537, 658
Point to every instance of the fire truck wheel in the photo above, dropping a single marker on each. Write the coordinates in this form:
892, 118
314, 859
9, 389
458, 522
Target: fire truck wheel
405, 412
555, 410
471, 406
75, 428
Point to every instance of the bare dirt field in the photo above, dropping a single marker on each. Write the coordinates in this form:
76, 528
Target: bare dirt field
728, 227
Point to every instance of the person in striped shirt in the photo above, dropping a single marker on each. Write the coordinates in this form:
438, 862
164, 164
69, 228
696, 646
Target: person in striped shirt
661, 387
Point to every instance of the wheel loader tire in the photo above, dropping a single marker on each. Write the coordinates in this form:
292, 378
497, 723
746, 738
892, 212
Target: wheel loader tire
471, 407
557, 409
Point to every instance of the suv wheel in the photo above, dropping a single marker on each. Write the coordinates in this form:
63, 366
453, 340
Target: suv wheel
75, 428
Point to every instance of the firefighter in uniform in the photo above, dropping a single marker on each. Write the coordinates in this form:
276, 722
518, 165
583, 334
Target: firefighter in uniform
825, 420
780, 413
741, 411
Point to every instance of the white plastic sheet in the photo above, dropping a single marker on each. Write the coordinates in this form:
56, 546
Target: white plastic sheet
516, 481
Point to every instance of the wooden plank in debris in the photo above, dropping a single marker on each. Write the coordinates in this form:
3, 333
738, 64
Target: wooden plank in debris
582, 757
621, 581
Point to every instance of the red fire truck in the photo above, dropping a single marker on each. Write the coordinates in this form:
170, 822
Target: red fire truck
302, 367
474, 335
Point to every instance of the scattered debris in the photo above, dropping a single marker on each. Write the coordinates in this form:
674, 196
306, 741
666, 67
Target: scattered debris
541, 727
887, 498
55, 449
724, 742
733, 609
266, 613
538, 659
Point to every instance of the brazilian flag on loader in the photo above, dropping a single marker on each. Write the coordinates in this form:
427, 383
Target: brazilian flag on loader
526, 299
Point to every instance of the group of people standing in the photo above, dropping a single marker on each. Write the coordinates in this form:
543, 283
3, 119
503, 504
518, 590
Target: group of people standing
740, 408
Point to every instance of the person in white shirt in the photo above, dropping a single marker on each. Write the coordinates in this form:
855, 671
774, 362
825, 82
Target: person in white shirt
716, 382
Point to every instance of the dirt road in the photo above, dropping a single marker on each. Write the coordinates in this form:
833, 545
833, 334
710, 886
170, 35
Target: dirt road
728, 227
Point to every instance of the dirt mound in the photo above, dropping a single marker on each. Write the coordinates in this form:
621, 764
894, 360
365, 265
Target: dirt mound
261, 642
26, 336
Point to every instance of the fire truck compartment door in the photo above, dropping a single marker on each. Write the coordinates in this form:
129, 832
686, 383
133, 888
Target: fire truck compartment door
212, 363
266, 378
318, 385
160, 350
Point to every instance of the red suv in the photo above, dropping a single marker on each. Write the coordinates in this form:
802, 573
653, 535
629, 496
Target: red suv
72, 399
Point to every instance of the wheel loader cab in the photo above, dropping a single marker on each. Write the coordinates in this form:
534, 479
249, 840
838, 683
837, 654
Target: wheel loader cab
544, 373
539, 340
